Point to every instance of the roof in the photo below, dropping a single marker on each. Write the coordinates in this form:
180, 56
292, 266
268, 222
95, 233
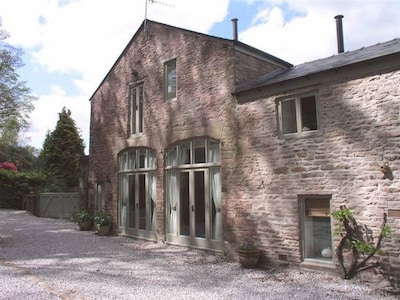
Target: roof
326, 64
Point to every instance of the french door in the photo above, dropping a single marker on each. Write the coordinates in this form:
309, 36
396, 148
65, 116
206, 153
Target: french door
138, 213
192, 212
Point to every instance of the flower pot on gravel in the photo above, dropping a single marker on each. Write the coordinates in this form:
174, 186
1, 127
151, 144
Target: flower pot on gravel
249, 255
102, 221
104, 230
85, 225
249, 258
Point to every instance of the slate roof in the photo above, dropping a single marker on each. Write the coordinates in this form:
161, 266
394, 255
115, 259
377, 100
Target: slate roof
325, 64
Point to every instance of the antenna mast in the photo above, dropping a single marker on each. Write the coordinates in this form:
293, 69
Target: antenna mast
156, 2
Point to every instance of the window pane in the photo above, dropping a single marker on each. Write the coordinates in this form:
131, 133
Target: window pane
185, 153
132, 202
317, 229
199, 151
172, 157
132, 159
152, 159
289, 121
308, 113
133, 111
170, 74
142, 158
140, 110
213, 152
184, 203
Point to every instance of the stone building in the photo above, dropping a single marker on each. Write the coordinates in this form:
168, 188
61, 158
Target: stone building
204, 142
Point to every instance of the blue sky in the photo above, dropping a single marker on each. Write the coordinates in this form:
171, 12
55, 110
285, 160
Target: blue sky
70, 45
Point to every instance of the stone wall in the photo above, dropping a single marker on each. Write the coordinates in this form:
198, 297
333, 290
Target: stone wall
207, 70
359, 128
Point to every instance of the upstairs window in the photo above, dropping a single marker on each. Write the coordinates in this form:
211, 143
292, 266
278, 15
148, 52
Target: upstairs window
298, 115
136, 99
170, 79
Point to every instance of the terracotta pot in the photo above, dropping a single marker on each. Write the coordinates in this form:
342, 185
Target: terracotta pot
104, 230
85, 225
249, 258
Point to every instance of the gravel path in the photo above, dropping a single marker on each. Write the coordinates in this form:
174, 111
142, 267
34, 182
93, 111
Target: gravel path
50, 259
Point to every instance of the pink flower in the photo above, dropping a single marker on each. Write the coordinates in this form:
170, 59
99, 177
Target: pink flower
8, 166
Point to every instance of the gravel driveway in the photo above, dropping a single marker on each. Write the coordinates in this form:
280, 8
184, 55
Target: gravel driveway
50, 259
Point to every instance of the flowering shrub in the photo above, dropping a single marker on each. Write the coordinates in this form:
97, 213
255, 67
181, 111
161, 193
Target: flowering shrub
8, 166
247, 246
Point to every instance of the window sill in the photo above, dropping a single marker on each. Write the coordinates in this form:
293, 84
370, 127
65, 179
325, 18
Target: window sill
300, 135
318, 264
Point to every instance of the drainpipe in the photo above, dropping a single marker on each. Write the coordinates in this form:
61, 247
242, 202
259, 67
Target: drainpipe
339, 33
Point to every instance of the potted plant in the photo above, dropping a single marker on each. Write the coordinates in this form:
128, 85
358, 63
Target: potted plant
84, 219
249, 255
102, 221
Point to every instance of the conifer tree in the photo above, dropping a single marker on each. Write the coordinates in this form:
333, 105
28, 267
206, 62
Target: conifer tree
60, 157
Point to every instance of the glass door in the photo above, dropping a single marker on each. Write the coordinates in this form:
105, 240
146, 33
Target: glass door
192, 203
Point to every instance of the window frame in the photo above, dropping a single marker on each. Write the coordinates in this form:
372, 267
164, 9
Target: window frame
307, 217
298, 115
136, 109
167, 66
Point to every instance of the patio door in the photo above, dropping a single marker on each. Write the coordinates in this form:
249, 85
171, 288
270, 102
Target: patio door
193, 195
193, 203
138, 214
137, 197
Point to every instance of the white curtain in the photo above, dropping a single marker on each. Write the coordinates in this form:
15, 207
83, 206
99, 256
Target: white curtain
153, 198
172, 200
152, 159
216, 197
213, 153
124, 199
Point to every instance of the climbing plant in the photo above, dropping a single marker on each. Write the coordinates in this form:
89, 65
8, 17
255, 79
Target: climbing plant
357, 240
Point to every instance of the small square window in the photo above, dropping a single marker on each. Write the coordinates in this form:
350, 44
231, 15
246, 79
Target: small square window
298, 115
170, 79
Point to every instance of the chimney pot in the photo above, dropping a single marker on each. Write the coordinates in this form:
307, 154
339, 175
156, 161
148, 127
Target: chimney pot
235, 28
339, 33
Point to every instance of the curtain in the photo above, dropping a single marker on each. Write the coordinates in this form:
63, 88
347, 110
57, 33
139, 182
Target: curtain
172, 200
213, 153
153, 199
216, 198
152, 159
124, 199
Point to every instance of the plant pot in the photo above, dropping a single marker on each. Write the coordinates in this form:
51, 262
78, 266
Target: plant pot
85, 225
249, 258
104, 230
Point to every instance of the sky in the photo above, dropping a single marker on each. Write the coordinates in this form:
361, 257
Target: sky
70, 45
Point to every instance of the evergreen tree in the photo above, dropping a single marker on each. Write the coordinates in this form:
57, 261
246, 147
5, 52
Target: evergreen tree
60, 157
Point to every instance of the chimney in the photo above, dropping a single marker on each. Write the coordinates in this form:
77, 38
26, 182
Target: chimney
235, 29
339, 33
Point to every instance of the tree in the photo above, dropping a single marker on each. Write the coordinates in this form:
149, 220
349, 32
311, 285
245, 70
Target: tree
61, 154
357, 243
15, 100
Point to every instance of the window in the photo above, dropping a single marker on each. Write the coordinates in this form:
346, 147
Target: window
316, 227
138, 193
136, 98
298, 115
193, 192
170, 79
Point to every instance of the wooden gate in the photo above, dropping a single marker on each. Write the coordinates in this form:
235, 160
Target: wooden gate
58, 205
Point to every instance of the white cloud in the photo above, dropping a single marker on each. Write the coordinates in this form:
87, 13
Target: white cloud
83, 38
311, 33
45, 116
